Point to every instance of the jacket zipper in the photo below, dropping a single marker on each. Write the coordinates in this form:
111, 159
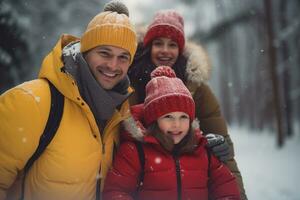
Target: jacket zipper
103, 138
178, 177
98, 184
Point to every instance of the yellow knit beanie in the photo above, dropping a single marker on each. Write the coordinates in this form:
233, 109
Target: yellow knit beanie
110, 27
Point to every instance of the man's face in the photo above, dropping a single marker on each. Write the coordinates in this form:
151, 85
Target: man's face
108, 64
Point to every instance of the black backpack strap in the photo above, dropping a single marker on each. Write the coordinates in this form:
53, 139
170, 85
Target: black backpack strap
54, 118
141, 155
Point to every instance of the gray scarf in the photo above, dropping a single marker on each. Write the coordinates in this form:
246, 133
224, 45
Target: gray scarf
103, 103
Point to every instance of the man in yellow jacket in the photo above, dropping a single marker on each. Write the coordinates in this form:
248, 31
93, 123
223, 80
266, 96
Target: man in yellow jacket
91, 74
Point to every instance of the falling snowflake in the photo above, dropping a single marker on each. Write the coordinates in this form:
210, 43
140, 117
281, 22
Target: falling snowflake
131, 146
28, 91
37, 99
20, 129
24, 139
157, 160
98, 176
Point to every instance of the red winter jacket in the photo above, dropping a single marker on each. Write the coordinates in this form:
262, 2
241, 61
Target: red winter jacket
168, 177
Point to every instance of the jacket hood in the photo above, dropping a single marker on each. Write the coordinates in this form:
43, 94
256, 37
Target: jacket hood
52, 68
136, 130
198, 67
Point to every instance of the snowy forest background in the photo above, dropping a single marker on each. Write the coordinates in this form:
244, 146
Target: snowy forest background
253, 45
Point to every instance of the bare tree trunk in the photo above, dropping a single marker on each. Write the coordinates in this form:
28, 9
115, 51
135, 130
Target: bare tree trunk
273, 66
286, 73
224, 76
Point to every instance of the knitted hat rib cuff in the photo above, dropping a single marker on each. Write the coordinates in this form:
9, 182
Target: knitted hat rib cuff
166, 104
165, 30
109, 34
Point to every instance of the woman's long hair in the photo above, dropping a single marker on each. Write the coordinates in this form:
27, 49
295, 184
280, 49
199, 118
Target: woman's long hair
142, 66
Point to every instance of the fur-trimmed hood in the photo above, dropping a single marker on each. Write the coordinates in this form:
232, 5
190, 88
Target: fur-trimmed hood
135, 129
198, 67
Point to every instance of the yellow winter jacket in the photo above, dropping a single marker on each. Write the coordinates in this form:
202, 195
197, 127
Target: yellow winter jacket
77, 156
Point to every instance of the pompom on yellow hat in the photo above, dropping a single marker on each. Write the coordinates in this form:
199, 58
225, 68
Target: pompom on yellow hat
111, 27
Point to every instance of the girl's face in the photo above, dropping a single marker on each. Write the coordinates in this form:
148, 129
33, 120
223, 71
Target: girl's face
174, 124
164, 51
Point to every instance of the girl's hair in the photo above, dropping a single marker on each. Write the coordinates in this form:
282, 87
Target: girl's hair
142, 66
186, 145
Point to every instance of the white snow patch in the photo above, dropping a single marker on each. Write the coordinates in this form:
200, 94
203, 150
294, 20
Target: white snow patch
269, 173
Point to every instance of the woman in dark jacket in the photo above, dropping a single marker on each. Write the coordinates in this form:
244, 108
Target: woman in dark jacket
177, 164
164, 44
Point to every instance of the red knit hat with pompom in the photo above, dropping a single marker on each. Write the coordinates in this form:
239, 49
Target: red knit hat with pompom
166, 93
169, 24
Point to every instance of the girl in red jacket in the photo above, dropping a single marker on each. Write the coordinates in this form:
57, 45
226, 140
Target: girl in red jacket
177, 166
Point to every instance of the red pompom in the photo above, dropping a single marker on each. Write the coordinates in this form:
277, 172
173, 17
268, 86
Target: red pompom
163, 71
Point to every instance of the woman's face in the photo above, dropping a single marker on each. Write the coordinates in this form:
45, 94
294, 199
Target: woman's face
164, 51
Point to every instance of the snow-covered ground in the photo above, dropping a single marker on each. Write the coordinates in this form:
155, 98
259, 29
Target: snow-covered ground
269, 173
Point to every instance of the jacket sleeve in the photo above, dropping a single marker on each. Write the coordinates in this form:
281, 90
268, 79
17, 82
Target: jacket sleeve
121, 180
21, 124
222, 183
208, 111
211, 121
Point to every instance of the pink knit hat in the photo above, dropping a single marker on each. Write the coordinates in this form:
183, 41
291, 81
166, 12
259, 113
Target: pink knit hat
166, 93
166, 23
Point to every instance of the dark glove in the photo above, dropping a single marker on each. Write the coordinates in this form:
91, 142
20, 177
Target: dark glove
218, 146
